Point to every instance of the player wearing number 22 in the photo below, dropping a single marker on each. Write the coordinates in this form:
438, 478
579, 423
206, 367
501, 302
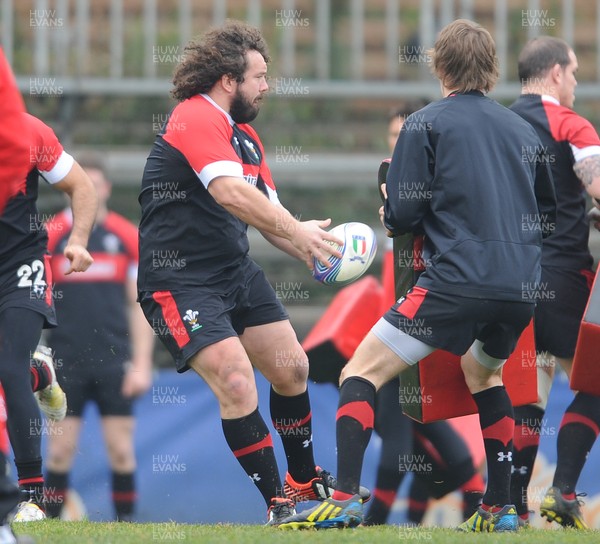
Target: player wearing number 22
211, 305
26, 301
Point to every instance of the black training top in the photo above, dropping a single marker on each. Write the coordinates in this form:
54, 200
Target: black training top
470, 175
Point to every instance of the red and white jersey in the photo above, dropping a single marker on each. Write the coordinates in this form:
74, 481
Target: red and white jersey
567, 125
22, 230
186, 237
200, 119
567, 138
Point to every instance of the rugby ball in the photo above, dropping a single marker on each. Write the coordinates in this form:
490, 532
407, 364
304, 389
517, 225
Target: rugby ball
358, 252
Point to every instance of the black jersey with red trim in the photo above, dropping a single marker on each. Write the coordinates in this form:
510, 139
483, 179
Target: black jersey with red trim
92, 307
22, 232
568, 138
186, 237
457, 175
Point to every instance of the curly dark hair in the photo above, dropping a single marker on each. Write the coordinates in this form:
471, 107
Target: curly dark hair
221, 51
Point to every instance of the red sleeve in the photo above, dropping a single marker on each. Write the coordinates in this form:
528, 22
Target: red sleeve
567, 125
46, 149
126, 231
14, 136
203, 134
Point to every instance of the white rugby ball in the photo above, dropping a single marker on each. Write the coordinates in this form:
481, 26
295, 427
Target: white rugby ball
358, 252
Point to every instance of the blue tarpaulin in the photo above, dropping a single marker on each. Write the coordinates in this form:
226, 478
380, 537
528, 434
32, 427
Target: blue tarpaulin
186, 472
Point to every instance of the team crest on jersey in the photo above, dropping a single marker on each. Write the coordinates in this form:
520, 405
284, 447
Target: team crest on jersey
191, 316
252, 149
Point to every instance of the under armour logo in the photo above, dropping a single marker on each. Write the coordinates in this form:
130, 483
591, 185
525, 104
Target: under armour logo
521, 470
255, 477
306, 443
39, 289
505, 456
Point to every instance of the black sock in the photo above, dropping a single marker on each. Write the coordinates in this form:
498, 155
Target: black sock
250, 441
123, 495
31, 481
389, 478
354, 425
418, 500
55, 492
472, 494
497, 427
396, 433
384, 495
40, 375
292, 419
528, 425
578, 431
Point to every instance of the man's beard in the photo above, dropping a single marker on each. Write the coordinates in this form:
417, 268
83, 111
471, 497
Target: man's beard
241, 110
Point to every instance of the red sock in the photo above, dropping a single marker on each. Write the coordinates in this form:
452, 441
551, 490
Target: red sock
341, 496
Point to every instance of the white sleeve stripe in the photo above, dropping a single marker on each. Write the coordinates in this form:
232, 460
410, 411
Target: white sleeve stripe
60, 170
585, 152
272, 195
220, 168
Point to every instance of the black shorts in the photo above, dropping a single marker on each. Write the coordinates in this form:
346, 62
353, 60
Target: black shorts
28, 284
453, 323
99, 383
560, 306
187, 320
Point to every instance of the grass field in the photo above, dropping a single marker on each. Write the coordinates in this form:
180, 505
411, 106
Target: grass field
60, 532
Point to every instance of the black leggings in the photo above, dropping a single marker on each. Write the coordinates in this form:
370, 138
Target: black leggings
20, 331
436, 445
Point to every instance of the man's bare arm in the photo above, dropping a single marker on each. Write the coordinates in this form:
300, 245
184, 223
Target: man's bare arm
84, 203
283, 244
250, 205
588, 171
138, 378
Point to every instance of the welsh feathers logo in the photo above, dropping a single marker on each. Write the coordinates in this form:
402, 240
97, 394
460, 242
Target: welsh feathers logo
191, 316
359, 248
252, 149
